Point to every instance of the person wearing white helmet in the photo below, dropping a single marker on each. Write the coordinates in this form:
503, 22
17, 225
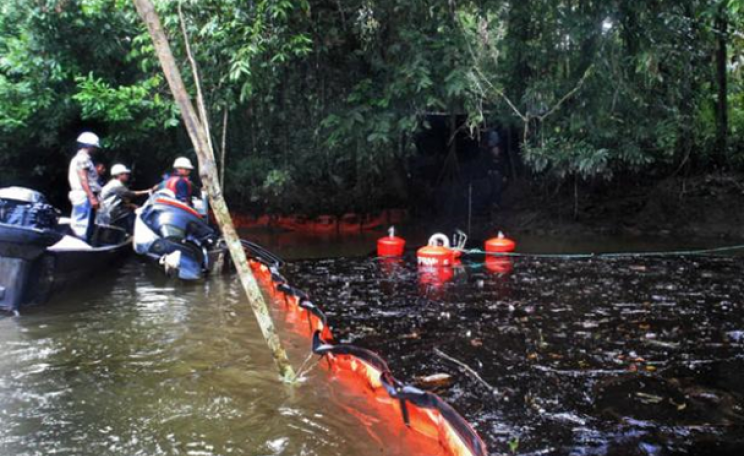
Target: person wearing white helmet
84, 185
117, 207
179, 183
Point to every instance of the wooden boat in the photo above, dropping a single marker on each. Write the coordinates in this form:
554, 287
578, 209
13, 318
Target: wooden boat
39, 255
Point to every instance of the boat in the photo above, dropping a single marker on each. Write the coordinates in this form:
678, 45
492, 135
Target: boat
178, 237
39, 255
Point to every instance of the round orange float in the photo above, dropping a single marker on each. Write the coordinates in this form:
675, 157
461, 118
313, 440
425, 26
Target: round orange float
435, 277
391, 245
499, 265
500, 244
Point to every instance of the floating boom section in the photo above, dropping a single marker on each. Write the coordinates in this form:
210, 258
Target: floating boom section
419, 411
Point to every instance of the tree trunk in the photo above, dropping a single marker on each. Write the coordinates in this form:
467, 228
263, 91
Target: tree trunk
520, 32
722, 80
223, 148
208, 173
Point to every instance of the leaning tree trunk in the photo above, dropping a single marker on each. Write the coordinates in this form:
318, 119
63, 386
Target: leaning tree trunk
208, 173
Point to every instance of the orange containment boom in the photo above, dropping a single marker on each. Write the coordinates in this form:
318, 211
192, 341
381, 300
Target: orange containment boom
420, 411
348, 223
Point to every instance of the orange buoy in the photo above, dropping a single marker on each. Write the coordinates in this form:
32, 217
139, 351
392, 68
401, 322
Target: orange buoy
435, 256
499, 265
437, 253
390, 245
433, 279
500, 244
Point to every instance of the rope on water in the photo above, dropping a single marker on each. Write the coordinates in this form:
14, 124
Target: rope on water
696, 252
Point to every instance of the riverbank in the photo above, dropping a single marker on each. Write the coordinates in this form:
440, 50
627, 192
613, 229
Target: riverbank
710, 206
706, 207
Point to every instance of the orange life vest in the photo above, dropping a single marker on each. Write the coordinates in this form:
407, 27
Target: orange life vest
172, 185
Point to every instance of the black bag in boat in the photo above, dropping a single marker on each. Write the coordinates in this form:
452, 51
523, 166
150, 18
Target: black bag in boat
27, 208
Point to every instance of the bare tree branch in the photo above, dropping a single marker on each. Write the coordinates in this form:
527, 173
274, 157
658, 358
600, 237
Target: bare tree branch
223, 148
197, 80
570, 94
467, 369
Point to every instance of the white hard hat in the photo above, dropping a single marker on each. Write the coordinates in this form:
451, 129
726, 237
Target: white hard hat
89, 139
183, 162
119, 169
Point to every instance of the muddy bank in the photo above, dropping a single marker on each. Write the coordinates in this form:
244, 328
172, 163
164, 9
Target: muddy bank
702, 207
709, 206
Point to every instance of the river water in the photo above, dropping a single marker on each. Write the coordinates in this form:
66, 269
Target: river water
608, 357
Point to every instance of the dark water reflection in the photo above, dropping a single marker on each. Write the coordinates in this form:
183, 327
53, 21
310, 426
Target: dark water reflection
586, 356
295, 245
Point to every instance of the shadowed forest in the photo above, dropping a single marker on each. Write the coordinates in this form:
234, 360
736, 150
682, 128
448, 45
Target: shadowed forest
337, 106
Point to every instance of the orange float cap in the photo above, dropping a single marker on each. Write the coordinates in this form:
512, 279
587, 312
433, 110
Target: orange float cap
500, 244
391, 245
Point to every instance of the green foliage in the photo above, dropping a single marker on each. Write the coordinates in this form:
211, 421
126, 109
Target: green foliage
566, 157
325, 99
514, 445
134, 111
275, 185
44, 47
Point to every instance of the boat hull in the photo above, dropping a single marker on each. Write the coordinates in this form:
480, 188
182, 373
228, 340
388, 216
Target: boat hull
20, 249
75, 265
29, 282
38, 253
25, 243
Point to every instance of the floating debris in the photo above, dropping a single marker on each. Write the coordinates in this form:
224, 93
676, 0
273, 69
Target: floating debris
434, 381
573, 336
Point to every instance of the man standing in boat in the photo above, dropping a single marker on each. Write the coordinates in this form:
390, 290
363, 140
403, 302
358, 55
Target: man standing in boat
179, 183
84, 185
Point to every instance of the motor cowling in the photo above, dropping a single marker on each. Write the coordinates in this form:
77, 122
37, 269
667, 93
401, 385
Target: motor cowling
175, 235
26, 208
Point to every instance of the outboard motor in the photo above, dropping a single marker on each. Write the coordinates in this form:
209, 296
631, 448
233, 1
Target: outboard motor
28, 225
175, 235
27, 208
